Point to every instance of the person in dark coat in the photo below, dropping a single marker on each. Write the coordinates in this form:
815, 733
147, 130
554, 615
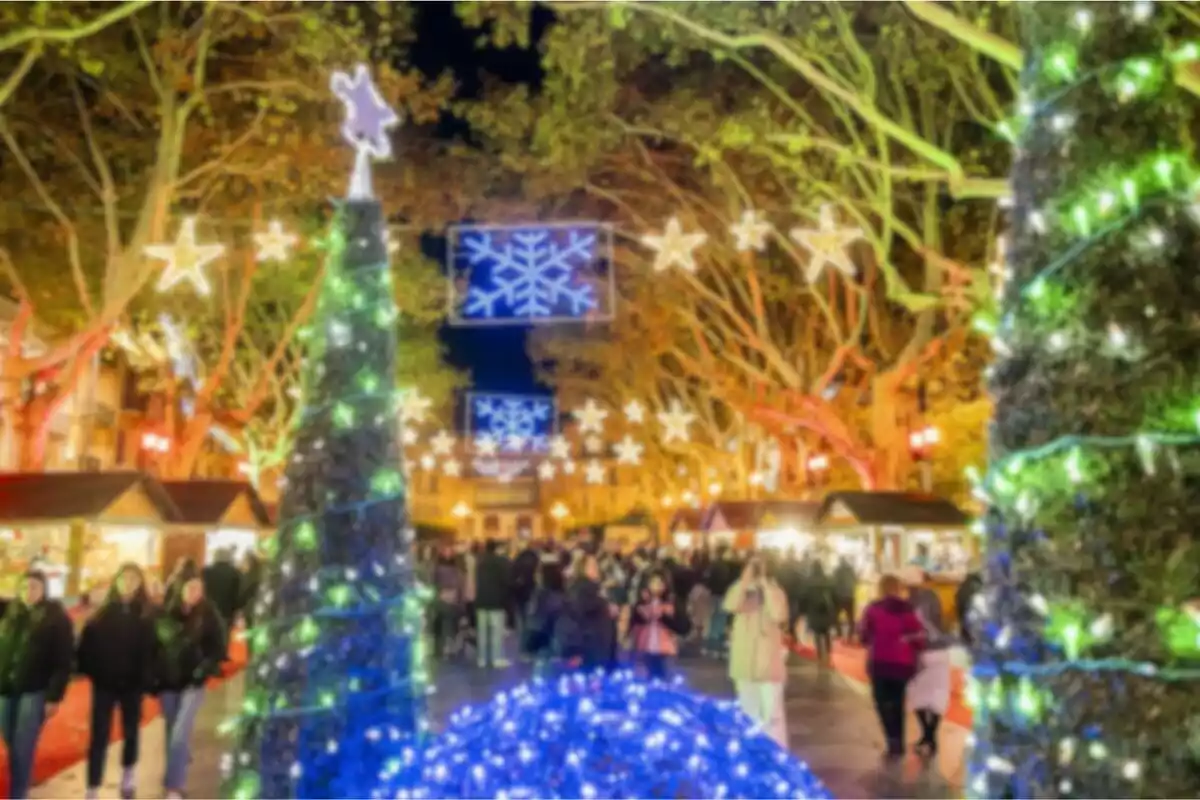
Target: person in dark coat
964, 598
845, 586
116, 652
524, 570
545, 608
586, 628
820, 611
251, 579
448, 587
223, 587
37, 648
722, 572
493, 585
190, 644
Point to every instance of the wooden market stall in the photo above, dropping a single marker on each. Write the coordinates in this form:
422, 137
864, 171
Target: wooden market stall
79, 527
787, 525
732, 523
686, 530
881, 532
215, 515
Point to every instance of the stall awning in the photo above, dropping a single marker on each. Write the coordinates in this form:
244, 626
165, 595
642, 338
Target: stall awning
890, 508
230, 504
99, 496
732, 515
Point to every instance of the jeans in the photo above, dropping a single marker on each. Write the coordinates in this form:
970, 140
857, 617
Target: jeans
179, 713
656, 665
21, 719
489, 636
103, 704
889, 704
716, 630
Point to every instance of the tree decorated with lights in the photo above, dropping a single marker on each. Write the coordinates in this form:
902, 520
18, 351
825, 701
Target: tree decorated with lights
1087, 675
332, 688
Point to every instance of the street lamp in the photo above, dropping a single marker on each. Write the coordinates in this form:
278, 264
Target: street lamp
921, 443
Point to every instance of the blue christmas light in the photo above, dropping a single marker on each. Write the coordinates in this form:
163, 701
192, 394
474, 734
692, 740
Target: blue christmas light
540, 273
599, 736
512, 420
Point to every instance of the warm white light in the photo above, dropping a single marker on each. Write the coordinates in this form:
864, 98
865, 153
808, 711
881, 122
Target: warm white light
461, 510
559, 511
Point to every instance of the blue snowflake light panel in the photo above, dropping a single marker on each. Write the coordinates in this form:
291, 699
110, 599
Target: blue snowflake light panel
503, 274
518, 423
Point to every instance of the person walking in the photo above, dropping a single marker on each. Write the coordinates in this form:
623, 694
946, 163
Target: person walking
820, 611
223, 587
448, 587
964, 600
892, 634
493, 586
524, 569
252, 570
37, 646
653, 625
845, 589
190, 644
928, 693
718, 578
757, 668
116, 653
545, 608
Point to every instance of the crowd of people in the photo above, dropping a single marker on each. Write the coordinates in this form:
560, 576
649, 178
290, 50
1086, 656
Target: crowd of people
576, 605
137, 641
579, 606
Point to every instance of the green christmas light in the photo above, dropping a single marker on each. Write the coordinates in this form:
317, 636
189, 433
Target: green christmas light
307, 631
343, 415
386, 482
306, 535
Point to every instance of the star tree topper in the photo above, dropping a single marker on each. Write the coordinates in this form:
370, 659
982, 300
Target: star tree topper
674, 247
827, 244
185, 258
368, 120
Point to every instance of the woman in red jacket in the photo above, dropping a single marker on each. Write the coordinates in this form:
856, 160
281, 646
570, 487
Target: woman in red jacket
892, 634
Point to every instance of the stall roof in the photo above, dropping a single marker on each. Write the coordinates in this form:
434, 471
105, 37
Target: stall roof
892, 508
788, 513
209, 502
687, 519
732, 515
30, 496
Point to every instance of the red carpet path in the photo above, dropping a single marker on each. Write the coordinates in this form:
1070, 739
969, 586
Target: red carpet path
851, 661
64, 739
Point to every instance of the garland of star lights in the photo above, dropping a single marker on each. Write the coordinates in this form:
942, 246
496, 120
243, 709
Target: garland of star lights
1087, 662
598, 736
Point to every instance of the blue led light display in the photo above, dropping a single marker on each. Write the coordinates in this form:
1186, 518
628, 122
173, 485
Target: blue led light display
519, 423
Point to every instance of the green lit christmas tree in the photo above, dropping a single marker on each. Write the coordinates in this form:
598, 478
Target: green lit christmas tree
332, 695
1087, 675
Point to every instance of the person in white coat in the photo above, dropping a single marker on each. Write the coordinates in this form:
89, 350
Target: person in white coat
757, 658
928, 692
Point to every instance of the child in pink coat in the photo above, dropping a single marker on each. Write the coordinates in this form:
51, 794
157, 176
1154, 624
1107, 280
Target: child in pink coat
653, 638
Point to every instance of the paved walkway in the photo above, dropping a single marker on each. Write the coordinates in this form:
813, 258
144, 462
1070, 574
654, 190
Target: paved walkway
831, 724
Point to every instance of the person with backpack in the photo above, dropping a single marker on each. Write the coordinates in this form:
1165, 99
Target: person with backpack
37, 648
116, 653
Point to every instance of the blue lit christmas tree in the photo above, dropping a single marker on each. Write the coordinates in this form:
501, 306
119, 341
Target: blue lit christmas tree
332, 692
1087, 673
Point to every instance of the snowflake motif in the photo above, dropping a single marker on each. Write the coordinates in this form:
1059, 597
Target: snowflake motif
507, 419
530, 273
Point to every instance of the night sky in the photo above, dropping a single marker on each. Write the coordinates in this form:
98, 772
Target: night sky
495, 356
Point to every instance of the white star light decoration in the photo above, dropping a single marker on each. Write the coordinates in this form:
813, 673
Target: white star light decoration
368, 120
546, 470
487, 445
568, 467
750, 232
673, 247
275, 244
428, 461
635, 413
452, 468
515, 442
591, 417
675, 422
442, 443
628, 451
826, 244
594, 472
409, 436
414, 406
560, 448
593, 444
185, 258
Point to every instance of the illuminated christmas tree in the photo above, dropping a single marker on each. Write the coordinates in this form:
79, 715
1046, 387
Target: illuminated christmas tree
332, 693
1087, 675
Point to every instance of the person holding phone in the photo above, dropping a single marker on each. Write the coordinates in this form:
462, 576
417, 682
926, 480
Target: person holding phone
759, 608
